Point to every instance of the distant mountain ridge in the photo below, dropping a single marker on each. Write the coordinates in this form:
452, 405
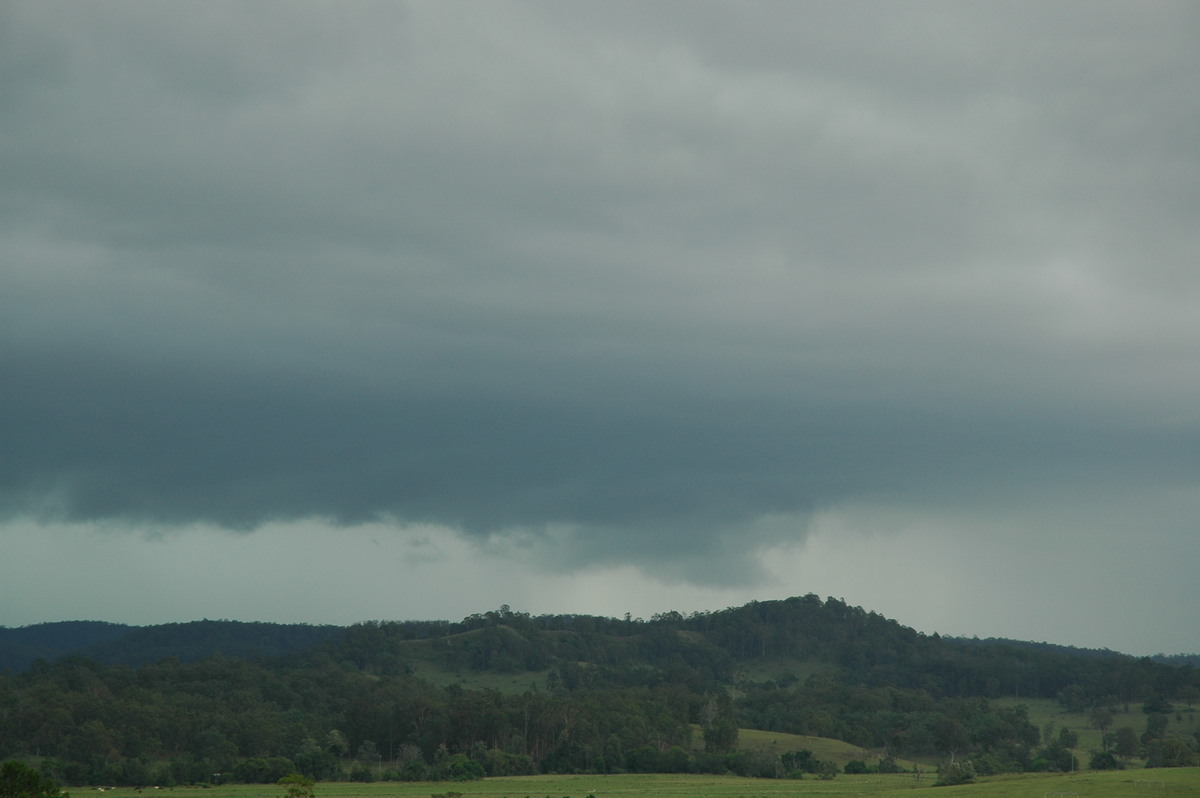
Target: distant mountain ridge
20, 646
1176, 660
191, 641
119, 644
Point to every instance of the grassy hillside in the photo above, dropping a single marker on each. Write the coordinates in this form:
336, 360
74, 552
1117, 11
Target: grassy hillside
782, 670
1044, 711
823, 748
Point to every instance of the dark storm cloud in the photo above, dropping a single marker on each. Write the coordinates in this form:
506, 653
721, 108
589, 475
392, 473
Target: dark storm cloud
639, 274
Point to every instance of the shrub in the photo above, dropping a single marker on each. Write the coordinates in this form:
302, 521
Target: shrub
888, 765
955, 773
297, 786
18, 780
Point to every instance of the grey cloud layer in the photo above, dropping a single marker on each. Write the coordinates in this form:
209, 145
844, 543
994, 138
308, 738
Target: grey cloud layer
646, 274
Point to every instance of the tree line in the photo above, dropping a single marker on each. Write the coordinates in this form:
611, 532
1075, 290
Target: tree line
666, 694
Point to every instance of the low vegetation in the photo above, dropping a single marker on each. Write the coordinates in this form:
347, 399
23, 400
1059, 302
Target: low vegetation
1175, 783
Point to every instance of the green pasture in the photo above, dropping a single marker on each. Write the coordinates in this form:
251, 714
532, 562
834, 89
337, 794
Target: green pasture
1161, 783
823, 748
504, 683
778, 669
1046, 710
436, 668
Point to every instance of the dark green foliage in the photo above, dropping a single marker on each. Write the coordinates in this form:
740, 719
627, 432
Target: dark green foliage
800, 762
1156, 724
955, 773
262, 770
297, 786
1178, 660
1057, 754
1170, 752
719, 724
459, 767
605, 695
20, 647
113, 644
888, 765
18, 780
1126, 742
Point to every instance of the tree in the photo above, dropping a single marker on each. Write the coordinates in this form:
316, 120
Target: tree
1126, 742
297, 786
336, 743
368, 753
1170, 752
720, 728
955, 773
1156, 726
950, 736
17, 780
888, 765
1101, 718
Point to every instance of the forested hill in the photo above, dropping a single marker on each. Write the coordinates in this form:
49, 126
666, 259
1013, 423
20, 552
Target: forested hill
51, 641
719, 648
504, 692
708, 647
117, 644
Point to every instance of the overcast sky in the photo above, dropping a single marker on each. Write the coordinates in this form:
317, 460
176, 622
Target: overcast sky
327, 312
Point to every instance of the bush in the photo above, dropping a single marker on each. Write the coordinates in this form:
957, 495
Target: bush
18, 780
855, 767
888, 765
297, 786
362, 773
460, 767
955, 773
1170, 752
414, 771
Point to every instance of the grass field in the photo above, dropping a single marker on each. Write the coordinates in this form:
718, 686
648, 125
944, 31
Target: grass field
1162, 783
1046, 710
822, 747
776, 668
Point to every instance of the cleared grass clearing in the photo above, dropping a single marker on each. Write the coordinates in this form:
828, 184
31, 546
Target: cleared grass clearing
503, 683
442, 667
1046, 710
823, 748
1162, 783
774, 669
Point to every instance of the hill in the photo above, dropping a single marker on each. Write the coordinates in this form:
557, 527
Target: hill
507, 693
51, 641
118, 644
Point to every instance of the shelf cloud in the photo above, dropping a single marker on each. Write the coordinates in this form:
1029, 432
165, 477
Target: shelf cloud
659, 289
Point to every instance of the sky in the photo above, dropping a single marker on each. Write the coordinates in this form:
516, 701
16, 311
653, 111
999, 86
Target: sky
329, 312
